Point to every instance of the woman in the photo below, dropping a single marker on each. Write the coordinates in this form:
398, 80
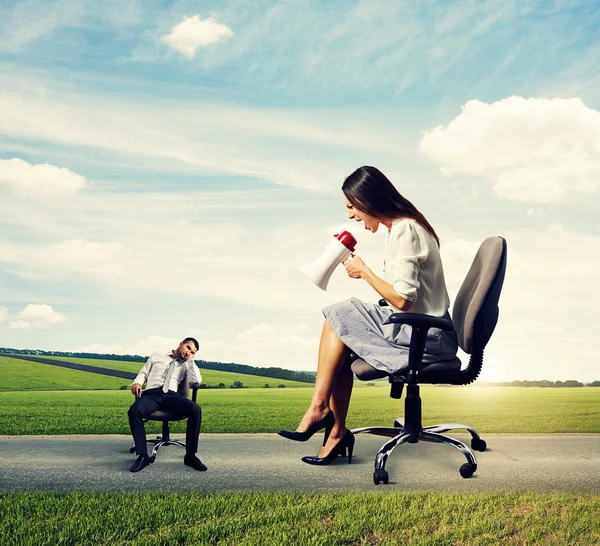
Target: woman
413, 281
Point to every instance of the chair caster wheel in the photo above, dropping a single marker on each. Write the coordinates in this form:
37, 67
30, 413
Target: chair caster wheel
478, 445
380, 476
467, 469
132, 450
152, 459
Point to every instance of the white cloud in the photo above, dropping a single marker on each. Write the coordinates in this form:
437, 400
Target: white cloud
99, 348
41, 314
3, 313
532, 150
19, 325
37, 316
27, 180
102, 260
267, 345
538, 212
193, 33
75, 257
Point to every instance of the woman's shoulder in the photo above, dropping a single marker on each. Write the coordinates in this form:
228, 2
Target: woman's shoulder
410, 231
406, 227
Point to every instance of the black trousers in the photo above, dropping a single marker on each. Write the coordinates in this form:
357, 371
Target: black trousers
155, 399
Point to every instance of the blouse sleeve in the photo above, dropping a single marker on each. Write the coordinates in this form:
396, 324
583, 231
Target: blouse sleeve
407, 252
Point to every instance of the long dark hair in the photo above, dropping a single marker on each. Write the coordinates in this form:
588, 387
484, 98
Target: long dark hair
370, 191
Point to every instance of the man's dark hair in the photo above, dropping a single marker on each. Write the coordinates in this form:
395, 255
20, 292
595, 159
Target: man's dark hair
193, 340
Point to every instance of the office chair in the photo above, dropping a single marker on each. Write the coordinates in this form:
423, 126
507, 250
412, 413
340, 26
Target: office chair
166, 416
474, 317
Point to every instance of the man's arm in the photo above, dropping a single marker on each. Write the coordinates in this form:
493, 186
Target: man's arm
194, 375
141, 378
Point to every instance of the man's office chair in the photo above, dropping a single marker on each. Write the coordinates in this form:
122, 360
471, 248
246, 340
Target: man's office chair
166, 416
474, 316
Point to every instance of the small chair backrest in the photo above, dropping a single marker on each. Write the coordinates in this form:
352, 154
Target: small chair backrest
184, 387
475, 310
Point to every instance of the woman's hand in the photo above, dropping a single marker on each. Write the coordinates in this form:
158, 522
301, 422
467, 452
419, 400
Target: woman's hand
355, 267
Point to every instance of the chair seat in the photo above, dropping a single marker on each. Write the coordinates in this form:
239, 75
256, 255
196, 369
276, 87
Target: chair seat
435, 372
161, 415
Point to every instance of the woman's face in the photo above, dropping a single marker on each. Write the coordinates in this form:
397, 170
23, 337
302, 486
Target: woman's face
371, 223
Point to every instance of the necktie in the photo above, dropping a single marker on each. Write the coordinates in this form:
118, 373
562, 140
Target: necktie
169, 375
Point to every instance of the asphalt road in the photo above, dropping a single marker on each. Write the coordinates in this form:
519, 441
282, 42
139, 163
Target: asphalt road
266, 462
76, 366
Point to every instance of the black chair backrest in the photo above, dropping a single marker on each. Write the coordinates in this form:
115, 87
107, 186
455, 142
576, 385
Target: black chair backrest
475, 310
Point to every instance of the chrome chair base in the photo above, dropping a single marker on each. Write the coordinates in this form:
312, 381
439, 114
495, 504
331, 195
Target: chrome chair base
159, 442
431, 433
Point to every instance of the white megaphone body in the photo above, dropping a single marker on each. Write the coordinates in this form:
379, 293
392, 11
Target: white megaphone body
337, 251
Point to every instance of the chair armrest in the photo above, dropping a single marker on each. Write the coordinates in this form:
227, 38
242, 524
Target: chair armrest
419, 320
420, 326
194, 387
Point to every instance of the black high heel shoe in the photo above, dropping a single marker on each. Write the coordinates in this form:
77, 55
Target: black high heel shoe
346, 443
327, 423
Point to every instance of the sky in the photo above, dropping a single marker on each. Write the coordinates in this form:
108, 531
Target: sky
166, 168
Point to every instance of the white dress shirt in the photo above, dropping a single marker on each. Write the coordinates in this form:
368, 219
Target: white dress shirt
154, 373
414, 267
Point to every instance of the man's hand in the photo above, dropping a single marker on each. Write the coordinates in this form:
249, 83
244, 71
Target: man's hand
355, 267
136, 390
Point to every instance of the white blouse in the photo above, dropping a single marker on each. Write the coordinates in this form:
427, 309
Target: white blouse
414, 267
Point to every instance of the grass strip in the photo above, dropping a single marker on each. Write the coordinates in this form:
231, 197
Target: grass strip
299, 518
518, 410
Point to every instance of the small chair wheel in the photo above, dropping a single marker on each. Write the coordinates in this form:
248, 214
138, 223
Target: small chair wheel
467, 469
478, 444
132, 450
380, 476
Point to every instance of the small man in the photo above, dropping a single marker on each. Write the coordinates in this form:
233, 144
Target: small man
162, 374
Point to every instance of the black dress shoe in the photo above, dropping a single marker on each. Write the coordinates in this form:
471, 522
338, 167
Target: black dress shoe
346, 443
195, 463
327, 423
141, 462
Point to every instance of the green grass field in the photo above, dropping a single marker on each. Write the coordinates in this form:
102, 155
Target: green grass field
21, 375
439, 519
488, 409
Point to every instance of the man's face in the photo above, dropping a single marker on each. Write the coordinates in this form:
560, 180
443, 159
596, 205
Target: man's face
186, 350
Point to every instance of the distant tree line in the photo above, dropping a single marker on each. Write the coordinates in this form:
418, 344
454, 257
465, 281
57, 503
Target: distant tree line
542, 383
275, 373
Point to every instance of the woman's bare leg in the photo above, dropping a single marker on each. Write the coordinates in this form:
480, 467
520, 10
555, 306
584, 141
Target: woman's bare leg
340, 402
333, 357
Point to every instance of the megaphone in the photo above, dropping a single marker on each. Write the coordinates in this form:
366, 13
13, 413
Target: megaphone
336, 252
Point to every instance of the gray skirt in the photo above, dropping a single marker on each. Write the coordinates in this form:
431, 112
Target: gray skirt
365, 329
